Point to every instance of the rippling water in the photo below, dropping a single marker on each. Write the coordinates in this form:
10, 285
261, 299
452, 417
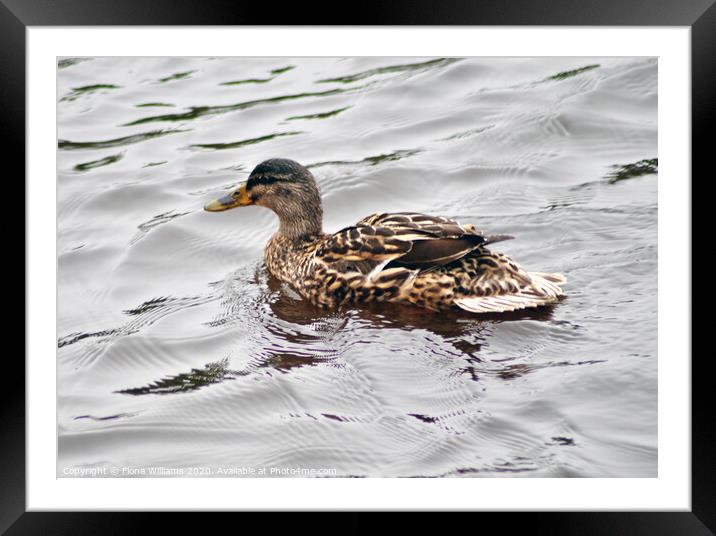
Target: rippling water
176, 350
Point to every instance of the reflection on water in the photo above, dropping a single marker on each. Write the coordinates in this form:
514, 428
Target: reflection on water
289, 325
69, 62
242, 143
273, 72
117, 142
323, 115
154, 105
197, 378
159, 219
195, 112
107, 160
175, 76
177, 349
391, 69
573, 72
368, 160
637, 169
78, 92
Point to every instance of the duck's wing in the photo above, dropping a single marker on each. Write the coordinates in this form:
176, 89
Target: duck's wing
403, 240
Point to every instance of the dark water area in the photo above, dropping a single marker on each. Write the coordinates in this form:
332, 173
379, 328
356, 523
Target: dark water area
177, 350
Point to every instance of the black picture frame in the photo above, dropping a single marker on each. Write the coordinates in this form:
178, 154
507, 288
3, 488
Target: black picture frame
17, 15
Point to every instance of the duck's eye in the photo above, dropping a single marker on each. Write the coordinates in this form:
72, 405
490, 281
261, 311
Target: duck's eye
251, 194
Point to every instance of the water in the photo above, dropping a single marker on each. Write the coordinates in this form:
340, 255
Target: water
176, 350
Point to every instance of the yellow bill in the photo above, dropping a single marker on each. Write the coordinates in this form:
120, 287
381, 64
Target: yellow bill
238, 198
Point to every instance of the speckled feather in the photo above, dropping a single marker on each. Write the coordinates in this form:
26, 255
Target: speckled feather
387, 257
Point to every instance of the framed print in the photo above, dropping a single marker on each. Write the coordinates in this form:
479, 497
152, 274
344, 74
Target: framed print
439, 259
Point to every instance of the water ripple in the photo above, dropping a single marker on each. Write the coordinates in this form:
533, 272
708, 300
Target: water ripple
390, 69
196, 112
67, 145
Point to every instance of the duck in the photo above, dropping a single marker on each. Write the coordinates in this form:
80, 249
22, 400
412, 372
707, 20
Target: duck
433, 262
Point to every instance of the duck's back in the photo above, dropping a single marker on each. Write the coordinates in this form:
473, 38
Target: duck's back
430, 261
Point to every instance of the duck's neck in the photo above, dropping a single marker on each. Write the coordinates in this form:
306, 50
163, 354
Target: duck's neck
301, 225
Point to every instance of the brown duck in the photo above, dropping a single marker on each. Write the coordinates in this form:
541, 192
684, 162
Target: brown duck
430, 261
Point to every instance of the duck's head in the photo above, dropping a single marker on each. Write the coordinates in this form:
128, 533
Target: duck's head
287, 188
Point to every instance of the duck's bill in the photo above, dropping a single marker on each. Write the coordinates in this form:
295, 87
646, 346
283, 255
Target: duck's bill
239, 198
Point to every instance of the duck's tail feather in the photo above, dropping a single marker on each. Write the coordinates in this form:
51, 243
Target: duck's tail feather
548, 284
491, 239
543, 290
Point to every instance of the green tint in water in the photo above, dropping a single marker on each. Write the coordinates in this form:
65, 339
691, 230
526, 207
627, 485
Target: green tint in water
274, 73
153, 105
69, 62
247, 81
99, 163
78, 92
369, 160
621, 172
242, 143
436, 63
176, 76
323, 115
67, 145
281, 70
187, 381
200, 111
574, 72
